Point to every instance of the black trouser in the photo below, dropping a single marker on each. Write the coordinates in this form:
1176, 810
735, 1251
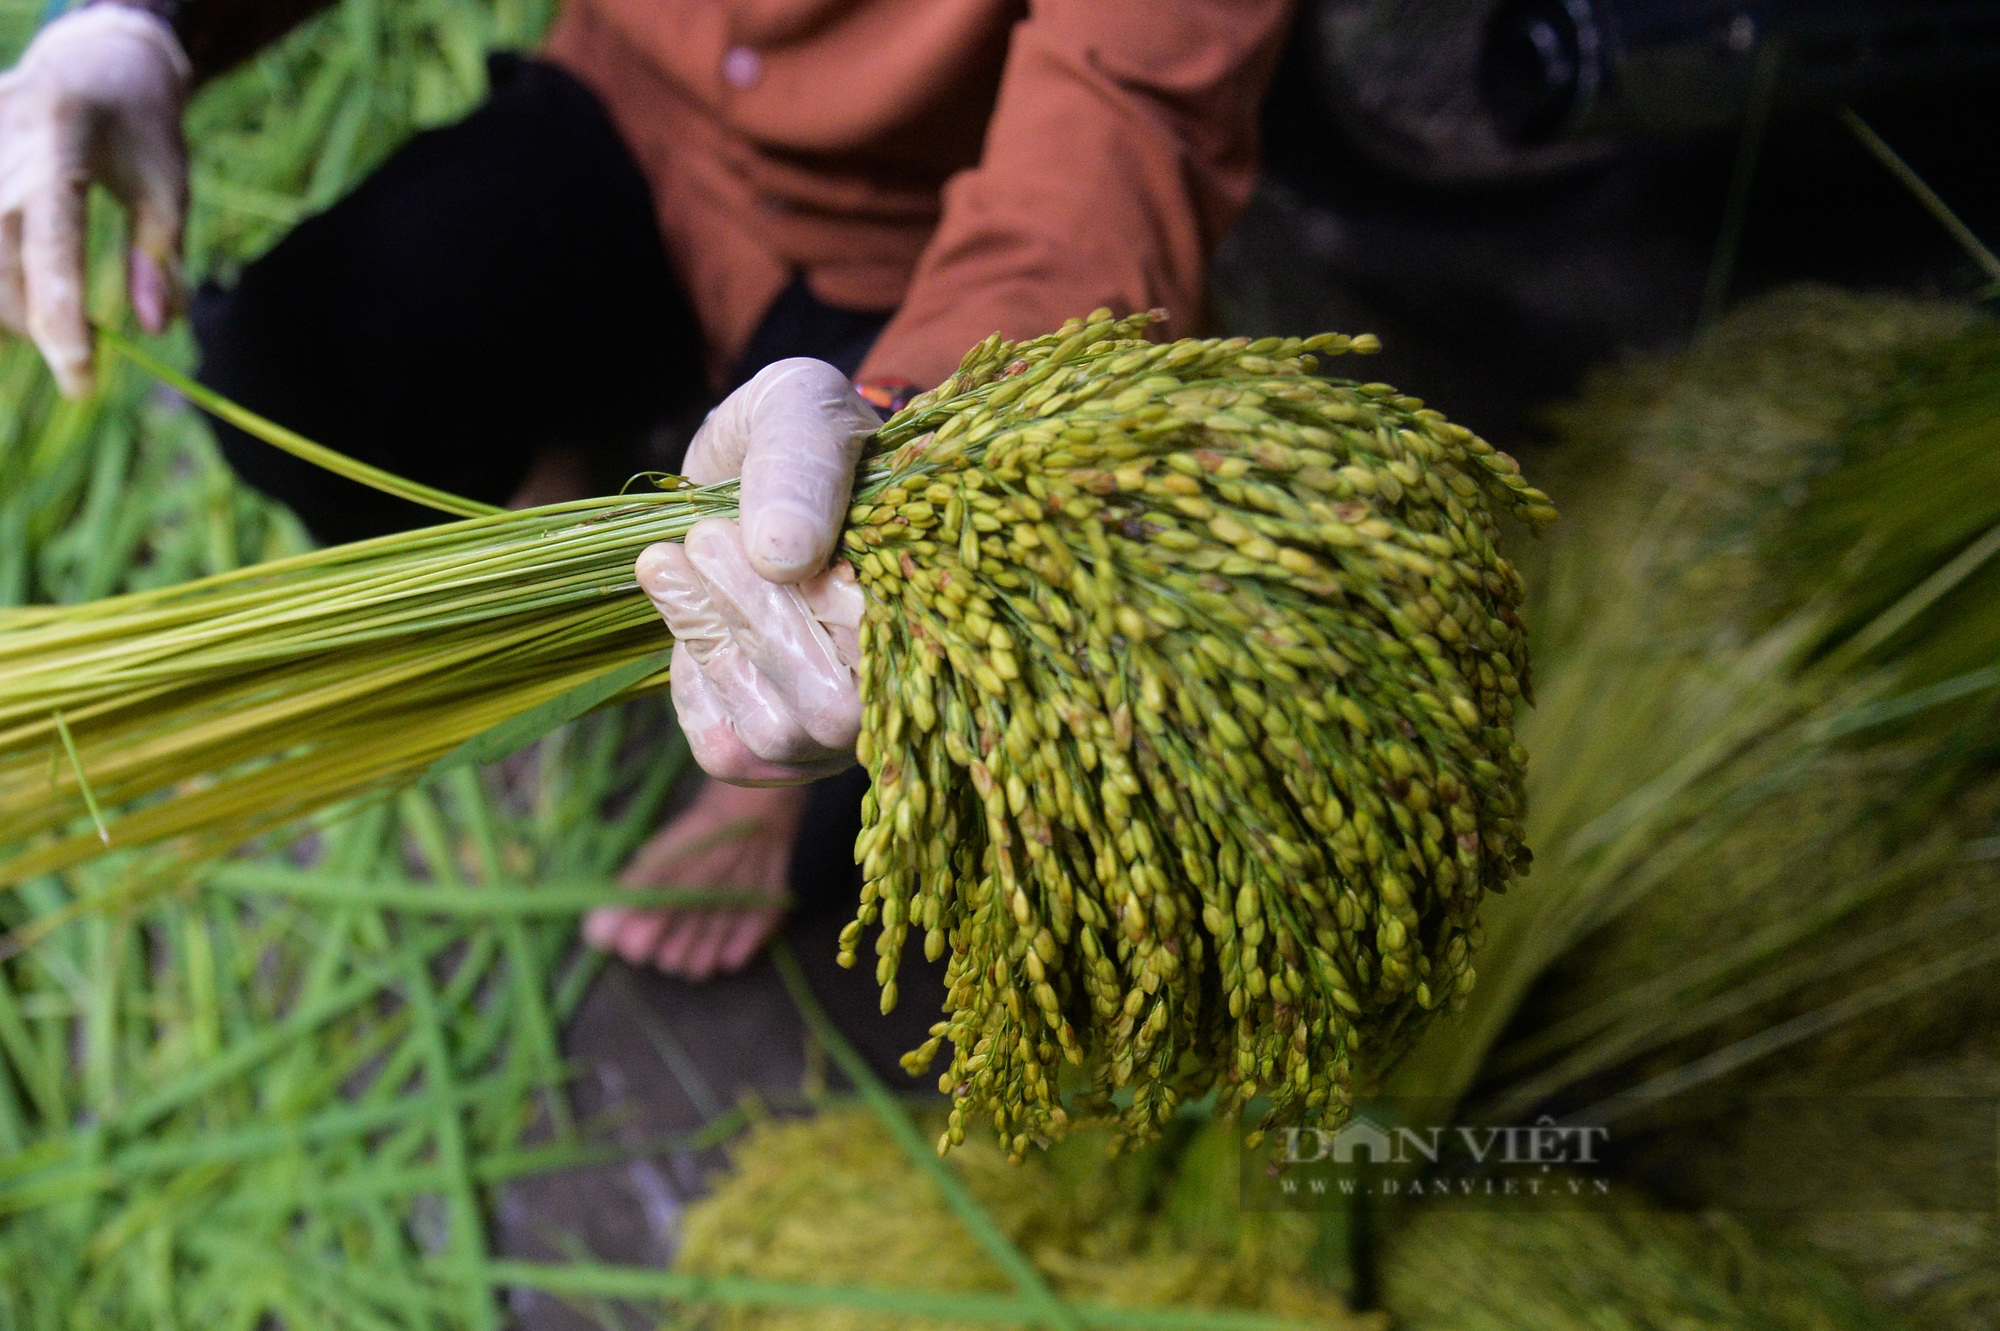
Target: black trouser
498, 287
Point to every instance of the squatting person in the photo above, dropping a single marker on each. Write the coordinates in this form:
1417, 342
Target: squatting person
811, 206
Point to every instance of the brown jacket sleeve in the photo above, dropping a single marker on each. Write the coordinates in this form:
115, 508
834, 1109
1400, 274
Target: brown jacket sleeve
220, 33
1122, 146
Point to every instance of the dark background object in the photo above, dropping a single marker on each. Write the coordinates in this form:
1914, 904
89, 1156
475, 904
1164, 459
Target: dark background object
1497, 272
1542, 64
1484, 91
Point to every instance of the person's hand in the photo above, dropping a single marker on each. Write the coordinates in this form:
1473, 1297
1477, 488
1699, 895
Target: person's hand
97, 96
729, 839
766, 637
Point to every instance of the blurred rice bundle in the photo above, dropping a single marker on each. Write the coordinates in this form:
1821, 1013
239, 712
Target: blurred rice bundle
1585, 1270
1155, 1227
1162, 1227
1744, 746
1765, 806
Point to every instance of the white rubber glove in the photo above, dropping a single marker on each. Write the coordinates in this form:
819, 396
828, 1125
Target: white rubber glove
766, 637
97, 97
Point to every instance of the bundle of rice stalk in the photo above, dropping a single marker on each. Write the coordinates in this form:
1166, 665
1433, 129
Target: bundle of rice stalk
1498, 1269
1836, 929
1163, 1228
1914, 504
1847, 901
833, 1197
1691, 694
1936, 1269
1188, 678
1814, 943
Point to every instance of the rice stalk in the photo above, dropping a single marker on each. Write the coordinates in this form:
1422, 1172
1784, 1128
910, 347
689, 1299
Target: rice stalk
1694, 694
1475, 1269
1125, 1241
1188, 675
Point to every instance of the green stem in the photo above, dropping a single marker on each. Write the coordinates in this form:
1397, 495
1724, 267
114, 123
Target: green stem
277, 436
499, 901
1925, 195
82, 781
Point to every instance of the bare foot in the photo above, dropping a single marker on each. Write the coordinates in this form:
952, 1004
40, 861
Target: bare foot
731, 838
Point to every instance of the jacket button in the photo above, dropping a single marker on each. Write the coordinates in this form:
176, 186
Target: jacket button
741, 68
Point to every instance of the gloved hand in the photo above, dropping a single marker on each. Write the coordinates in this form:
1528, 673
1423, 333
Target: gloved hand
97, 96
766, 637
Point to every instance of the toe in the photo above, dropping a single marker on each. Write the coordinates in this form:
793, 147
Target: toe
639, 936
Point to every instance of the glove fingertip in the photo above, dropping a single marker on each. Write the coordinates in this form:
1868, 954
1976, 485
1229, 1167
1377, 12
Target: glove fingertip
784, 546
654, 560
664, 572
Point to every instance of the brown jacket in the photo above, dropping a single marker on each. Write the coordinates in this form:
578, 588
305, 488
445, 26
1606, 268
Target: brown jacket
974, 165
